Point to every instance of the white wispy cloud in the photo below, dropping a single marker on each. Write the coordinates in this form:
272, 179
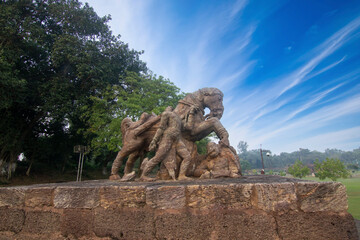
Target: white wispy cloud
191, 53
266, 101
135, 21
329, 46
315, 99
235, 78
126, 21
269, 99
334, 139
326, 68
238, 6
304, 125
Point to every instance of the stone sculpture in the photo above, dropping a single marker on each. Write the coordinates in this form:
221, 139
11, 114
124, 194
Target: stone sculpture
173, 134
166, 139
220, 161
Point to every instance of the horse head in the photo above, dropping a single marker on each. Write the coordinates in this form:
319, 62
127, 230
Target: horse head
212, 98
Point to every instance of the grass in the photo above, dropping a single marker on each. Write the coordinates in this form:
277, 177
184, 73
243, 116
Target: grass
353, 191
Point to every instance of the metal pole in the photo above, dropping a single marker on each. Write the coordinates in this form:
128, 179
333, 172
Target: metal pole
78, 171
262, 161
82, 163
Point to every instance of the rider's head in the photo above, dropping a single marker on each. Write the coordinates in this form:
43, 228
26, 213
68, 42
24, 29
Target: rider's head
169, 109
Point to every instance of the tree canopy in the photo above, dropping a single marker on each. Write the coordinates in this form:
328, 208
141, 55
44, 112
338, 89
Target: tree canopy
129, 97
284, 159
299, 170
66, 80
331, 168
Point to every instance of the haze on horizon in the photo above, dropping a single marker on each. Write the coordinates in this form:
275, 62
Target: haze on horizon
289, 70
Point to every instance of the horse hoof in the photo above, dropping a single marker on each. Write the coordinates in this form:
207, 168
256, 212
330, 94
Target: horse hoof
205, 175
146, 179
185, 178
235, 175
128, 177
114, 177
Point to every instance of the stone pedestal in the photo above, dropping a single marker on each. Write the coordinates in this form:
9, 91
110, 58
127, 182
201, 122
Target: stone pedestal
252, 207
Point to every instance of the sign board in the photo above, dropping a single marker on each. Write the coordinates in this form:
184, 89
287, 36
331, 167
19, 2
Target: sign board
81, 149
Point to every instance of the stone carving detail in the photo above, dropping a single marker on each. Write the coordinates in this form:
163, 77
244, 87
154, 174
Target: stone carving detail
220, 161
168, 142
172, 136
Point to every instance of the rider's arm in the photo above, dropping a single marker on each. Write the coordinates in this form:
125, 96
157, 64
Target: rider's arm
190, 119
160, 131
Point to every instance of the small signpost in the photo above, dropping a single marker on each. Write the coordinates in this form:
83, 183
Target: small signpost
82, 150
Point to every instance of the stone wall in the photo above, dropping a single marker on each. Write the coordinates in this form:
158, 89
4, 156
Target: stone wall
253, 207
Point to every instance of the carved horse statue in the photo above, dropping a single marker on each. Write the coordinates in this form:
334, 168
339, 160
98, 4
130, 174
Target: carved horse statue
195, 126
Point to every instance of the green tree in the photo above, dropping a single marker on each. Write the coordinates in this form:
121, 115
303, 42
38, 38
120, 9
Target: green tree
55, 58
245, 165
132, 95
331, 168
353, 166
299, 170
242, 147
201, 145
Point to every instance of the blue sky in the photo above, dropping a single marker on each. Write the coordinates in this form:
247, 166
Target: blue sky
289, 70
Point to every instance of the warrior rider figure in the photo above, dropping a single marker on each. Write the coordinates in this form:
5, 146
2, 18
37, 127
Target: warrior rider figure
167, 136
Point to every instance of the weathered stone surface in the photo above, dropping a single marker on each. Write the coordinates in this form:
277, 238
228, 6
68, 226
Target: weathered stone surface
77, 222
118, 197
200, 196
39, 197
183, 225
41, 222
329, 196
76, 197
32, 236
220, 161
217, 224
124, 224
316, 225
251, 207
7, 235
12, 197
232, 196
274, 196
11, 219
166, 197
248, 224
223, 196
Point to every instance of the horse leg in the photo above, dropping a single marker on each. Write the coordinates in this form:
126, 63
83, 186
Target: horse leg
211, 125
141, 158
130, 175
125, 151
130, 162
116, 165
